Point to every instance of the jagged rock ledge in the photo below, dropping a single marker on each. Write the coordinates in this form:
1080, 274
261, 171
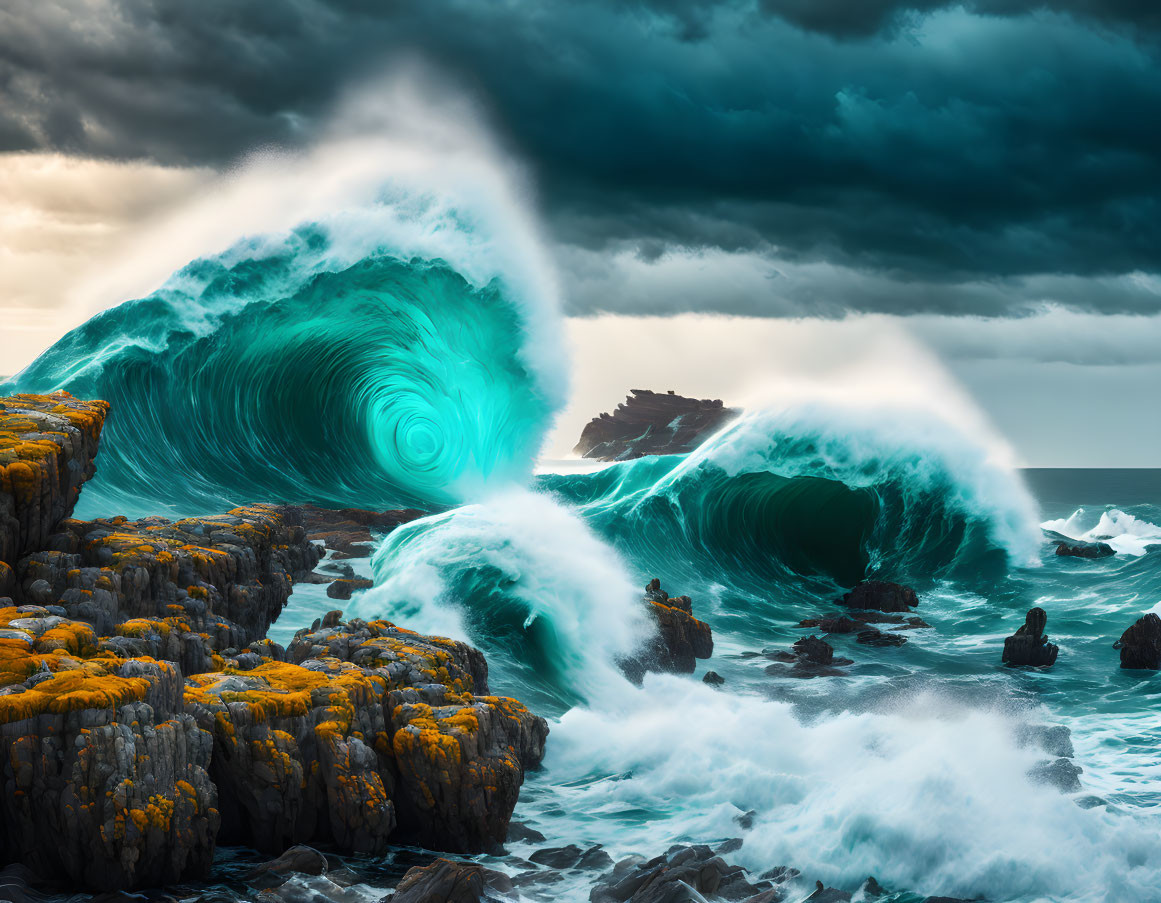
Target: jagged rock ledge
144, 716
47, 447
652, 423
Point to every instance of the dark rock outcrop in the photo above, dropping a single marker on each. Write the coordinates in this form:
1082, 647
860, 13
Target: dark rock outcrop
668, 879
344, 587
221, 580
445, 881
1081, 549
47, 448
881, 596
652, 423
347, 532
104, 775
1140, 645
142, 706
811, 657
1029, 645
872, 636
680, 640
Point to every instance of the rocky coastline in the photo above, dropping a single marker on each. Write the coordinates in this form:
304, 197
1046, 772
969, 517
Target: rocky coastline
146, 718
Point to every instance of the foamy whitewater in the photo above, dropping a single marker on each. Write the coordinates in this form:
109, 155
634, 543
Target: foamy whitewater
385, 331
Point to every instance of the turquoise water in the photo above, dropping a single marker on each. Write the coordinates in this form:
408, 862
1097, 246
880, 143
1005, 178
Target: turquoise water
308, 366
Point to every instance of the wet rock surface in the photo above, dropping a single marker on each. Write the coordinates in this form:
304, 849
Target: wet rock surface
670, 878
1140, 645
810, 657
445, 881
1080, 549
652, 423
347, 532
881, 596
1029, 645
680, 640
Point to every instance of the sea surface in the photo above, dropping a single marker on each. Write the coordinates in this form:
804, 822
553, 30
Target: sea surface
404, 349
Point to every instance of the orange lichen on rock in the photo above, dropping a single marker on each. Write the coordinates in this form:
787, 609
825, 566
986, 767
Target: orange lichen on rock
47, 446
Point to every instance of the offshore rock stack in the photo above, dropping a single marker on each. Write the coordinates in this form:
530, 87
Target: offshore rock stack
680, 640
652, 423
144, 716
1029, 645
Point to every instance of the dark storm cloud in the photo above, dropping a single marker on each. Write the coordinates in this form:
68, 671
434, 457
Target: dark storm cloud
924, 143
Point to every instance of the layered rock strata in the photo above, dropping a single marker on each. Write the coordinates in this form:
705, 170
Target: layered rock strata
144, 715
104, 774
47, 447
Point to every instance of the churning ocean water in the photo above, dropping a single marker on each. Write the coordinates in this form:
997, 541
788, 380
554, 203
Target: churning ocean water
396, 352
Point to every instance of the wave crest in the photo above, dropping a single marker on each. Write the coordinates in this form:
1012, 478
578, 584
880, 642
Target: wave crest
382, 355
820, 491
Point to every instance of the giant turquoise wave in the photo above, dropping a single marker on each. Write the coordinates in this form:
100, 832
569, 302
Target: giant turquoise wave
816, 496
284, 370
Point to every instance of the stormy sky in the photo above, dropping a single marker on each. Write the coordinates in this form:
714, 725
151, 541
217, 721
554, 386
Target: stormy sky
986, 172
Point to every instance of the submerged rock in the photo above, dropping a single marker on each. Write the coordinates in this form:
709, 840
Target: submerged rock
445, 881
811, 657
1140, 645
302, 860
1029, 645
881, 596
1062, 773
815, 650
1081, 549
875, 637
670, 877
824, 894
651, 423
859, 621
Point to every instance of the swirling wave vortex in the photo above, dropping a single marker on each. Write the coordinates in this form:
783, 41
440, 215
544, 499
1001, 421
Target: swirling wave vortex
387, 382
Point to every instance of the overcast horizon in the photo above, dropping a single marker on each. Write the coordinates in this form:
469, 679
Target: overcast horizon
977, 182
